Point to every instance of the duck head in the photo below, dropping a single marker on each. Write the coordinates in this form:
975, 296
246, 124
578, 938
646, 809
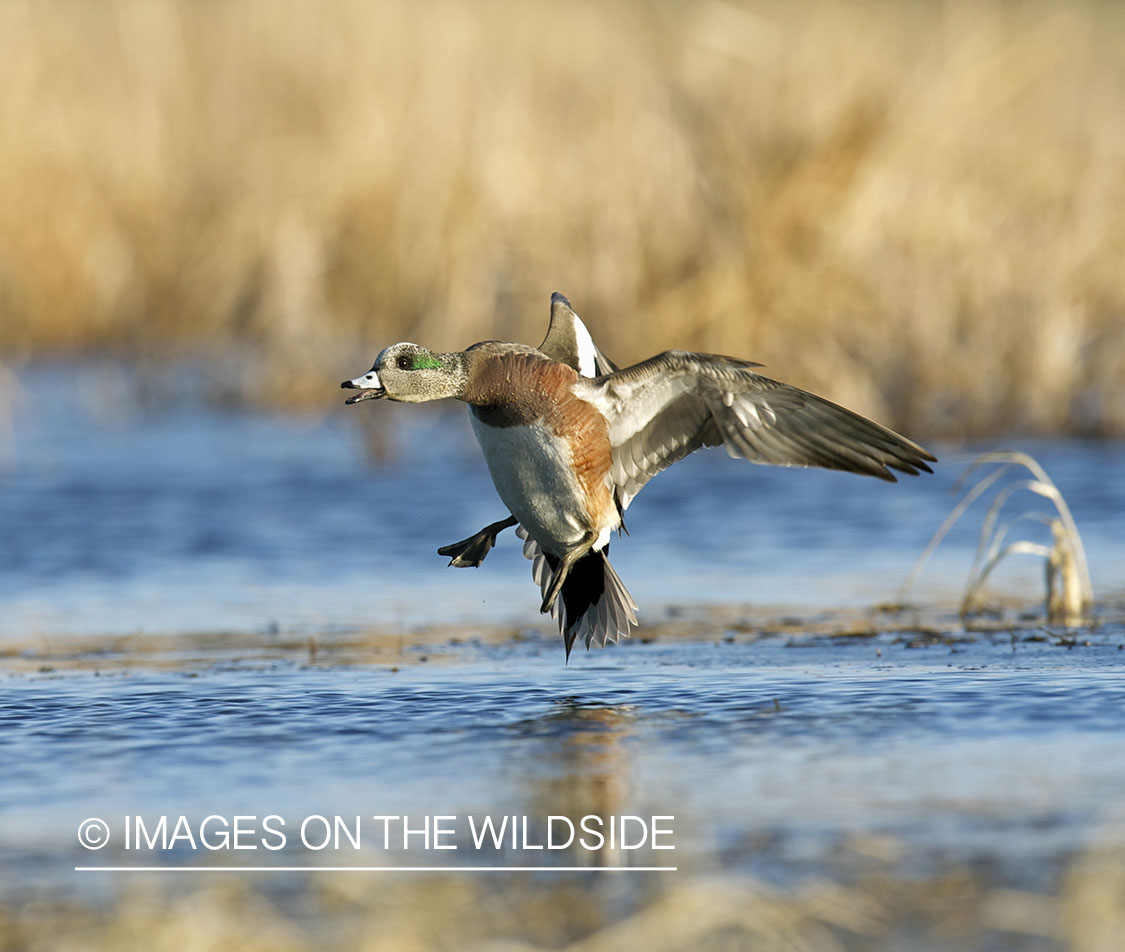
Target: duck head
409, 373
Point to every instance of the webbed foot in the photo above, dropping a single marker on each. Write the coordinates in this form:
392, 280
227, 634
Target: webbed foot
470, 552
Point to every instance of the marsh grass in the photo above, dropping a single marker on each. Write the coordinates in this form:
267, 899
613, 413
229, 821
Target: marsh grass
914, 208
1069, 594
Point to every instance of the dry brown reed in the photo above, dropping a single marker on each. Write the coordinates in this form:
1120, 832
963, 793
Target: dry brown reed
1070, 596
915, 208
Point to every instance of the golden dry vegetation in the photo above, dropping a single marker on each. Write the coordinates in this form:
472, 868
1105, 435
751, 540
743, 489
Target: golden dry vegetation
917, 208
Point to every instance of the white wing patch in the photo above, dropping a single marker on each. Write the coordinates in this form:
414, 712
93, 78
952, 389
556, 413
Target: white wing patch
587, 352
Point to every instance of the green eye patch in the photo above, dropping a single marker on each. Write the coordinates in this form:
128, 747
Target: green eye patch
422, 362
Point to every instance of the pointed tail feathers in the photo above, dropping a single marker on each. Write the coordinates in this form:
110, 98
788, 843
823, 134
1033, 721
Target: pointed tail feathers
594, 604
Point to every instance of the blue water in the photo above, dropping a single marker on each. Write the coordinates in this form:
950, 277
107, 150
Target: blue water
196, 519
769, 749
768, 755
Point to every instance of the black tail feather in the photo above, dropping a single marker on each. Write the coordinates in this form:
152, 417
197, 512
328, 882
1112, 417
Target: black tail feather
588, 607
593, 603
582, 590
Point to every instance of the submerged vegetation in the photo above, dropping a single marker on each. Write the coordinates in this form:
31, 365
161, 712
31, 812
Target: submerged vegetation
929, 193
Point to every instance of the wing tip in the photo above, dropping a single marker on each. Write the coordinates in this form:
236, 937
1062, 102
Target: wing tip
916, 464
557, 297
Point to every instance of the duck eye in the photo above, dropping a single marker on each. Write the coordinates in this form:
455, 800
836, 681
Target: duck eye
403, 363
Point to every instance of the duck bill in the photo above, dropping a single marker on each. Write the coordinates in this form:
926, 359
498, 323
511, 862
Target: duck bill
366, 395
364, 386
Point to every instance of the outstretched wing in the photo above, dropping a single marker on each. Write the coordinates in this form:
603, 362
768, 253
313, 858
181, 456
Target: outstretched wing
664, 408
570, 342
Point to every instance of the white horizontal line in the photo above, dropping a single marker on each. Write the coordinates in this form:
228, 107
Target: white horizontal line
375, 869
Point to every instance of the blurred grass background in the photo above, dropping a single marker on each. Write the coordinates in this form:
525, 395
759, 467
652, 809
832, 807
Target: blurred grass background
915, 208
875, 910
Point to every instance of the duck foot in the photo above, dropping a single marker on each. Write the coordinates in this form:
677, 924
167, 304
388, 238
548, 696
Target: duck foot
470, 552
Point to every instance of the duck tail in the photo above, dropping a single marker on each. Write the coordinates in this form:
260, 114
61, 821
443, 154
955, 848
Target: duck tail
593, 604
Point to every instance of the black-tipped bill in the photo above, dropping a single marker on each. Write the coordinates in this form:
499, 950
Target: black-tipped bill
369, 387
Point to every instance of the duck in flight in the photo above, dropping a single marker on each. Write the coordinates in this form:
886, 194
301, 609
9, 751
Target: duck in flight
570, 439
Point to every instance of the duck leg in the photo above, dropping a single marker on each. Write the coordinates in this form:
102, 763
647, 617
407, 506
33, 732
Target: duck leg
470, 552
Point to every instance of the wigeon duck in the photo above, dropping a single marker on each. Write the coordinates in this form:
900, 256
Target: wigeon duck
570, 440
